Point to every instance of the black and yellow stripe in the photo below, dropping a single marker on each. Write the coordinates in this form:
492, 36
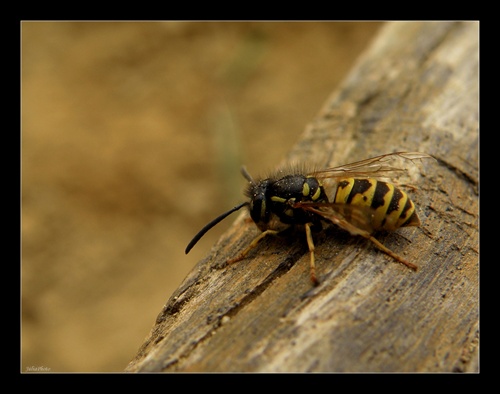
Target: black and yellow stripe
392, 208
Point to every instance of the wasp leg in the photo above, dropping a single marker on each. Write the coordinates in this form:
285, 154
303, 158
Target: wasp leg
391, 253
310, 244
252, 245
339, 220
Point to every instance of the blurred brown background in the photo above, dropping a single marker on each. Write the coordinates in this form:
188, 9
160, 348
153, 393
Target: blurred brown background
132, 139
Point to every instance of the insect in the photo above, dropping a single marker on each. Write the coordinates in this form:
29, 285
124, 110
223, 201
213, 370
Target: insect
361, 204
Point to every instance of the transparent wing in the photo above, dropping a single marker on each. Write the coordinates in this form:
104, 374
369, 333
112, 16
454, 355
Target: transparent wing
378, 166
356, 219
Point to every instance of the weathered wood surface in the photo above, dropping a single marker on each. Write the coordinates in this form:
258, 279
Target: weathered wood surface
414, 89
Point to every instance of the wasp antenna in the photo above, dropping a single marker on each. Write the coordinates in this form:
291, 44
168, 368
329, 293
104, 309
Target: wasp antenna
247, 176
207, 227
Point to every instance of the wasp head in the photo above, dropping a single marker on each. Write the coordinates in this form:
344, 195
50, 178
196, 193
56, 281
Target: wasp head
259, 209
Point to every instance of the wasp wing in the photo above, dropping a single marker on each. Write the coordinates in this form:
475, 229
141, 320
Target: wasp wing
357, 219
353, 218
378, 166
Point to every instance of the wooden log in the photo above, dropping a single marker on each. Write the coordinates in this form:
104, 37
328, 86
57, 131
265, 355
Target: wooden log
414, 89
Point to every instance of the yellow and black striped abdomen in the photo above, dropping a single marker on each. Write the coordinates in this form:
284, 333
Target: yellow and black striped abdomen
392, 208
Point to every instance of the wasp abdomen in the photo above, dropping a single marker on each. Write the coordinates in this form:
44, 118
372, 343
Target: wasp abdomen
392, 208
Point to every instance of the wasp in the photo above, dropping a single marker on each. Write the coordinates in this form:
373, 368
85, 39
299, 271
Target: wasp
361, 204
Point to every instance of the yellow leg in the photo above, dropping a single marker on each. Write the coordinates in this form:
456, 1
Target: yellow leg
391, 253
252, 245
339, 220
310, 244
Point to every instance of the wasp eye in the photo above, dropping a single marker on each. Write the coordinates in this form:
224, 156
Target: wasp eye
259, 211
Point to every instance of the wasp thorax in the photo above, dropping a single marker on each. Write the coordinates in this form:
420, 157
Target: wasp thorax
272, 201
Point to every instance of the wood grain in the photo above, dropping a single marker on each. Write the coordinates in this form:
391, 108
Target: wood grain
414, 89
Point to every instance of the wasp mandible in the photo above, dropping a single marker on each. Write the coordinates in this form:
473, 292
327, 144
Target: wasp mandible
361, 203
